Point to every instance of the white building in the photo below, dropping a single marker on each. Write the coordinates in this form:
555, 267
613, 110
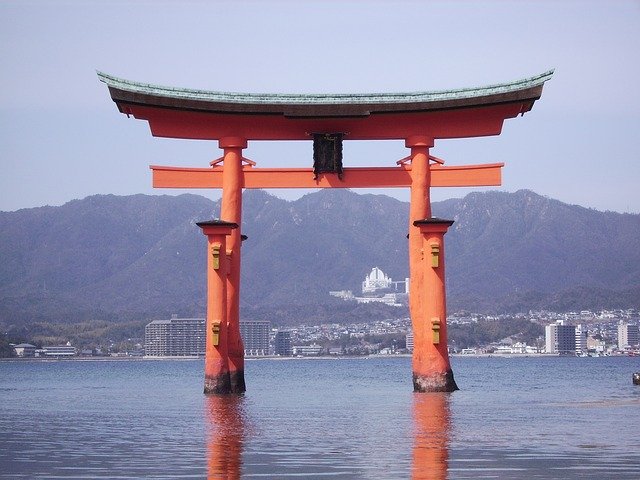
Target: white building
387, 298
60, 350
560, 338
409, 341
255, 336
175, 337
343, 294
25, 350
627, 335
598, 346
522, 348
376, 280
307, 350
581, 339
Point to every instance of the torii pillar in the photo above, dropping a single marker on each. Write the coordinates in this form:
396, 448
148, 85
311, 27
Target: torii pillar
231, 211
427, 302
217, 365
431, 368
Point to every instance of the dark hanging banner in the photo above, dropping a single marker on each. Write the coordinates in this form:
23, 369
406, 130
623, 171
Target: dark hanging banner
327, 153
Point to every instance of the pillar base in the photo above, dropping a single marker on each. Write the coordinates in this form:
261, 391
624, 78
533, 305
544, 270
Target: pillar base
218, 384
435, 382
237, 381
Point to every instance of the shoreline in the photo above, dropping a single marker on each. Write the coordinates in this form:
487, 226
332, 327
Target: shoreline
281, 358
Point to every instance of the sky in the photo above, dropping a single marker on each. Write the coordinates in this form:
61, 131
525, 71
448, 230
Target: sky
62, 138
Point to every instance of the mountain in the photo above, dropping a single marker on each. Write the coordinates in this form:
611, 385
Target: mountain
122, 258
102, 257
329, 240
514, 246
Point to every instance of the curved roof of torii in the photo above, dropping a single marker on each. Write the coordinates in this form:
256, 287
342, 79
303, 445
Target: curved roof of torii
201, 114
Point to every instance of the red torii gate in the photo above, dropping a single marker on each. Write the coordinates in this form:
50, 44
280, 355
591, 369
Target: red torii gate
233, 119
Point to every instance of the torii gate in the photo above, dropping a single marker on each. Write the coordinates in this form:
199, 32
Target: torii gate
233, 119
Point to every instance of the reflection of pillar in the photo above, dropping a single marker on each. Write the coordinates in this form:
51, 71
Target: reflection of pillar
431, 425
216, 360
231, 211
226, 422
431, 368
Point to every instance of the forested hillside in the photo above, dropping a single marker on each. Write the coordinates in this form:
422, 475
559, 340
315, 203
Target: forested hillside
134, 258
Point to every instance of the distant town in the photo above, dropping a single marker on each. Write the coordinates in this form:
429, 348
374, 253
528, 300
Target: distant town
584, 333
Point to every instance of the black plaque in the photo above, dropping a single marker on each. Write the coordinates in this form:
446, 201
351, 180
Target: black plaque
327, 153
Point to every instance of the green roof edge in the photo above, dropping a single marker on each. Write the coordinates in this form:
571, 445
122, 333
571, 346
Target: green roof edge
321, 99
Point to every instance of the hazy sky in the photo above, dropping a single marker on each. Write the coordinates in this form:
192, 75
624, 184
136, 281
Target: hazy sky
62, 138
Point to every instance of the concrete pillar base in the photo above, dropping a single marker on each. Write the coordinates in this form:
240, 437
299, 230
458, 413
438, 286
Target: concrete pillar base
237, 382
218, 385
435, 382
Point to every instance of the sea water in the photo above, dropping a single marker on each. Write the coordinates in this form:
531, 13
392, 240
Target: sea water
337, 418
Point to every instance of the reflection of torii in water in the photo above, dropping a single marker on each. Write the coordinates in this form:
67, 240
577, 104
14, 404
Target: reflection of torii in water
234, 119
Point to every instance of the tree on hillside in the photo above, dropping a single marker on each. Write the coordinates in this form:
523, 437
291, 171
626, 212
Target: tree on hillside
6, 350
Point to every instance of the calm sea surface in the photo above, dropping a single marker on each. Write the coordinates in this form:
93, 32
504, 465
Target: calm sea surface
342, 418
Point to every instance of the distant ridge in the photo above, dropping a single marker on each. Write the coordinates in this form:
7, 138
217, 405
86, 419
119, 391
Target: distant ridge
120, 258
